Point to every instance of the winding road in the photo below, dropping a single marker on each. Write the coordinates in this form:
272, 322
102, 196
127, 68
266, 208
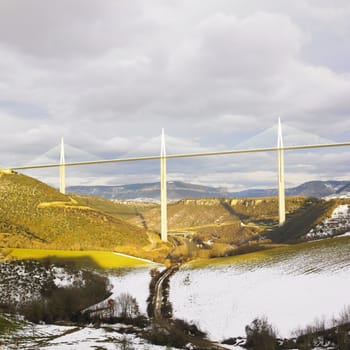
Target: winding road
168, 324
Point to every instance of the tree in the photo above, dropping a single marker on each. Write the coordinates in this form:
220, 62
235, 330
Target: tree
260, 335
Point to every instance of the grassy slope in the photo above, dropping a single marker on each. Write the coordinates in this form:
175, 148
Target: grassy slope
337, 249
87, 258
26, 222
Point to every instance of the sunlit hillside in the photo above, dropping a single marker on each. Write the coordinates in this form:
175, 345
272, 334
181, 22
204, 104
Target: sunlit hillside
236, 220
33, 214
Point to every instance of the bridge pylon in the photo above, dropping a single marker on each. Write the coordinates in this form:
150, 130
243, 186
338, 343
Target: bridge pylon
62, 169
163, 191
281, 188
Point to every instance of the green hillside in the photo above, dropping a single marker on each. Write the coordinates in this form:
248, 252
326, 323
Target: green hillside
33, 214
320, 255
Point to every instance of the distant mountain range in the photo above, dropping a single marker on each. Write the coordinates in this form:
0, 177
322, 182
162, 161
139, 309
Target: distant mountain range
150, 191
179, 190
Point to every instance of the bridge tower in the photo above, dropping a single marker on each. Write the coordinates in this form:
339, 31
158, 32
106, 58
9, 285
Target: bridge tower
163, 191
281, 189
62, 169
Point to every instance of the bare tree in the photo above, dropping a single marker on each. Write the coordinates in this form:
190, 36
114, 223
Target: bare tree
126, 306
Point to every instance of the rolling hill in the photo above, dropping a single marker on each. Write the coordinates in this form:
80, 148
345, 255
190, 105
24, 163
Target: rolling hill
33, 214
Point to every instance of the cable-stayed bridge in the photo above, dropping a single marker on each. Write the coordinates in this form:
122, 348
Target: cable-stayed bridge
243, 148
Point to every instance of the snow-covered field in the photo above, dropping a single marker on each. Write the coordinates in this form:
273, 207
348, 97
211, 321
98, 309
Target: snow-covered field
136, 283
291, 290
47, 337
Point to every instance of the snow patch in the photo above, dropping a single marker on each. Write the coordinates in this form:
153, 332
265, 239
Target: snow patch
64, 279
335, 225
346, 234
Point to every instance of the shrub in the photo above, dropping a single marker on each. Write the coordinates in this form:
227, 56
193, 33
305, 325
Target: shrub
125, 344
66, 304
160, 336
189, 328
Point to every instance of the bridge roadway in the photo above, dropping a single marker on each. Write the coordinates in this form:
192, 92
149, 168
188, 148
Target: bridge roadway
184, 155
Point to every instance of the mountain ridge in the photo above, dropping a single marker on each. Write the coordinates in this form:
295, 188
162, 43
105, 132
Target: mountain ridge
180, 190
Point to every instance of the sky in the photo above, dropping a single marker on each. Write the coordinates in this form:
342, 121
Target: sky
216, 75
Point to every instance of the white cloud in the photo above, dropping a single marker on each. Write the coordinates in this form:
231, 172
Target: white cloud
109, 75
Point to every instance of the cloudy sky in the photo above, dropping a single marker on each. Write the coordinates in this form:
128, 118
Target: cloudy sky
109, 74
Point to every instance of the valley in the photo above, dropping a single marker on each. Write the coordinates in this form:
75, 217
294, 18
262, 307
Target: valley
232, 263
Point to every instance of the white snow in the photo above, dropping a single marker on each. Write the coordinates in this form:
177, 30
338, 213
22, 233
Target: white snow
340, 211
65, 279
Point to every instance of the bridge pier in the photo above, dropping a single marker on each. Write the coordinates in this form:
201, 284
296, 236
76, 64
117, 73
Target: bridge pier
281, 188
62, 169
163, 191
